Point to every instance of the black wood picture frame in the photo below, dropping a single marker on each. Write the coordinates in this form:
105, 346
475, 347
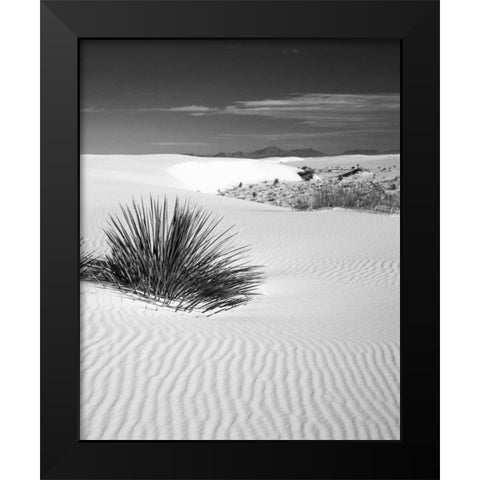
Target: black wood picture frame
416, 25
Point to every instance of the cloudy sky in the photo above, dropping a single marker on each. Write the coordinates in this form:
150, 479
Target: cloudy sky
209, 96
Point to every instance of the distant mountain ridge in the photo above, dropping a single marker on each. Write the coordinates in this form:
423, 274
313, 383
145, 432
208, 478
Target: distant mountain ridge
370, 152
269, 152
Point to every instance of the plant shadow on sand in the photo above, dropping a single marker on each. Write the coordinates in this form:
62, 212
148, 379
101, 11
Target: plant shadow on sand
183, 260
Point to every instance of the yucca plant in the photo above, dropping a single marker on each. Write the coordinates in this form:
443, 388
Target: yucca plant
87, 260
182, 260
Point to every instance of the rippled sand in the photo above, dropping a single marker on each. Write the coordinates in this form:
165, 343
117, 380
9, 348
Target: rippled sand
315, 356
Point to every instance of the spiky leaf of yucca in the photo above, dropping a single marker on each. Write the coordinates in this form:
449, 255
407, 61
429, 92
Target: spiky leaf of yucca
184, 261
87, 260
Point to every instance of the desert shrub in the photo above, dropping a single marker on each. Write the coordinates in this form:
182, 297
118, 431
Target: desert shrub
300, 202
182, 259
363, 197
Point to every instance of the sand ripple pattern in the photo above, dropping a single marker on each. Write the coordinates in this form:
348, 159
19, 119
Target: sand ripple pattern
316, 356
168, 376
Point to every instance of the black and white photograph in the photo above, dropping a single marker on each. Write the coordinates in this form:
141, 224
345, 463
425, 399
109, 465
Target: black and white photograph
239, 239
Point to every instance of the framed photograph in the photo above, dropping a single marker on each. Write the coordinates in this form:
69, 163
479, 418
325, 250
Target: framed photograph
240, 239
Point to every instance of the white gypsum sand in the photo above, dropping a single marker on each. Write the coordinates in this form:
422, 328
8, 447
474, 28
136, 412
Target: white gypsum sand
315, 356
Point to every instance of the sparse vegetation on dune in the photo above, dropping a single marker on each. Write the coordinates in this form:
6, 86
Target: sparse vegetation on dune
369, 195
300, 202
359, 196
183, 260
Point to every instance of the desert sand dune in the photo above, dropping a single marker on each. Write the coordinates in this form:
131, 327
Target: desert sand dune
314, 356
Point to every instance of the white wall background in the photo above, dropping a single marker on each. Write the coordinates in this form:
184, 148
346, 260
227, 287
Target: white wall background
460, 220
19, 237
